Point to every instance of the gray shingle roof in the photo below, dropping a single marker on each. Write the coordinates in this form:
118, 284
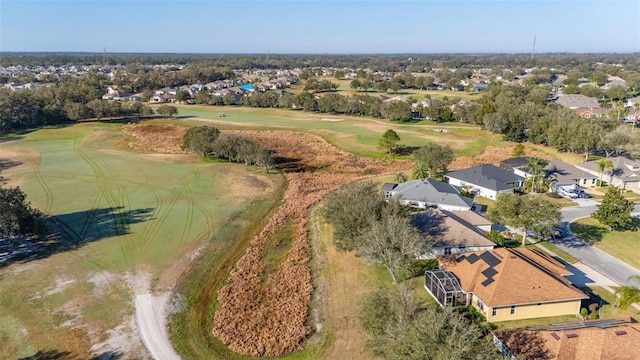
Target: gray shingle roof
487, 176
562, 172
430, 191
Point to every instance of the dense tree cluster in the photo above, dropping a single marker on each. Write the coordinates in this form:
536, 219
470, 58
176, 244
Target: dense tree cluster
379, 231
316, 85
207, 141
432, 160
384, 63
401, 326
69, 99
17, 217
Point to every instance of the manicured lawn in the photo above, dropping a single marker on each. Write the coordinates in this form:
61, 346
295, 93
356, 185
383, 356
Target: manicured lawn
560, 253
358, 135
125, 215
561, 201
624, 245
608, 311
486, 202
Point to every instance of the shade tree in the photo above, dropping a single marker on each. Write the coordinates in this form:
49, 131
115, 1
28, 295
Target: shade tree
615, 210
529, 213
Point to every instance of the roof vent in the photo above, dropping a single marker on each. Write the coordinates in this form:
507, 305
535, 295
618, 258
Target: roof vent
621, 332
572, 335
555, 336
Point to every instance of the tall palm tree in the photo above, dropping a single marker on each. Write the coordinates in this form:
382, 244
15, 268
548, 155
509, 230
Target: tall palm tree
535, 166
627, 295
604, 164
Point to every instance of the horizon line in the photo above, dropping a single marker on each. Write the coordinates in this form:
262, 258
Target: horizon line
319, 53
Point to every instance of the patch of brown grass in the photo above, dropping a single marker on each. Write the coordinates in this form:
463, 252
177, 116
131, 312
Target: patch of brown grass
162, 138
261, 317
492, 155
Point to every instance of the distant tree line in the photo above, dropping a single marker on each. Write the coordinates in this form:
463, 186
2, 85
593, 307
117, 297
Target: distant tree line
384, 63
209, 142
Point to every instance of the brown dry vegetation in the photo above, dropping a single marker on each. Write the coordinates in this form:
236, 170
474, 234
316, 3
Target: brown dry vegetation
260, 313
162, 138
492, 155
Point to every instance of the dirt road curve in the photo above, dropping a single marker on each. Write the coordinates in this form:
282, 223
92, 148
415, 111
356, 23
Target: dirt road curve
152, 324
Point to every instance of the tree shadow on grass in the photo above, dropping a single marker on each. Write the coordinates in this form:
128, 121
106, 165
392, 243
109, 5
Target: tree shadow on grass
65, 355
71, 231
590, 234
407, 150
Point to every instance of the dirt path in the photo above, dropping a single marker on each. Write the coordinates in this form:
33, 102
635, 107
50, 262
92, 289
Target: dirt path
151, 318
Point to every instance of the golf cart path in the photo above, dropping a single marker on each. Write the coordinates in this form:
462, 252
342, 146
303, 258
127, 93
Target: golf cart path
151, 318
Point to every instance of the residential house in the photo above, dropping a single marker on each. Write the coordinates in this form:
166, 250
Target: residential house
486, 180
633, 117
121, 96
505, 284
614, 81
590, 113
167, 91
591, 340
575, 101
479, 87
631, 102
562, 174
518, 165
427, 193
453, 232
160, 99
625, 173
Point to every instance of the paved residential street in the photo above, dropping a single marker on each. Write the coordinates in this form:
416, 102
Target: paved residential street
596, 259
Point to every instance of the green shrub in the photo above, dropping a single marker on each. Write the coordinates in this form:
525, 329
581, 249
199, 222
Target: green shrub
496, 237
475, 313
584, 312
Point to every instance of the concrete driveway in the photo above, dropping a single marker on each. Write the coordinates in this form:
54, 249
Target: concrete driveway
585, 202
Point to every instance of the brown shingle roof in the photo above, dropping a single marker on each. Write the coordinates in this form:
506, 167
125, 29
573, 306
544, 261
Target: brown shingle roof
502, 277
620, 342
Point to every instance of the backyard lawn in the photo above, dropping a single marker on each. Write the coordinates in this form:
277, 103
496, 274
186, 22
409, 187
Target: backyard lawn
624, 245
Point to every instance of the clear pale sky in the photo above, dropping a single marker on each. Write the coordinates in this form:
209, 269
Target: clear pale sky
308, 26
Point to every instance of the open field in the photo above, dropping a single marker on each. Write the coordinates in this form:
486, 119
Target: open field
127, 221
624, 245
357, 135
